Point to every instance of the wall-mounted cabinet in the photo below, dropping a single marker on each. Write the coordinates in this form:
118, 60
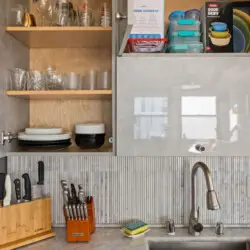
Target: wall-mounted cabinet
67, 49
183, 105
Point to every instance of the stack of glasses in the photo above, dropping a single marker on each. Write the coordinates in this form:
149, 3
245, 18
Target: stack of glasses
184, 34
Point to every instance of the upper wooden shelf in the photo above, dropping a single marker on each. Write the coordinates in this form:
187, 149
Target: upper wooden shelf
62, 37
62, 94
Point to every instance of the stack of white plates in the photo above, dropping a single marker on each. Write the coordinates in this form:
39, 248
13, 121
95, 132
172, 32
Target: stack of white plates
44, 138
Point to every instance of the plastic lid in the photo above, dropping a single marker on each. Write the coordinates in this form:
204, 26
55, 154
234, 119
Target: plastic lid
187, 22
90, 128
176, 13
192, 10
186, 33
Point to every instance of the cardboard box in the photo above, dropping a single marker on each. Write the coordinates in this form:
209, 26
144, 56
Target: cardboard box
148, 19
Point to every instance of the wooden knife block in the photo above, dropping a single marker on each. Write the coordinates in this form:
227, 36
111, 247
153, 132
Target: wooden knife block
25, 223
80, 230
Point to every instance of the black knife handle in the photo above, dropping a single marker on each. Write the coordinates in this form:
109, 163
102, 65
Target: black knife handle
27, 187
40, 173
73, 194
2, 189
17, 183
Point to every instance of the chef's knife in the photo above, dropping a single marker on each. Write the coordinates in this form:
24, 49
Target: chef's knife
73, 194
41, 176
27, 187
7, 186
17, 183
2, 190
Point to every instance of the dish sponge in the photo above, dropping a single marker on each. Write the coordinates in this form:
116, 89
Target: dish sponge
135, 227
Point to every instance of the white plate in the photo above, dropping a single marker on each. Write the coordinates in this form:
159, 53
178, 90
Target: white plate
26, 137
43, 131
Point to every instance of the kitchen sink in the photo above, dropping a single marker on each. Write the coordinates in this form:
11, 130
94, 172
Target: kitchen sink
199, 245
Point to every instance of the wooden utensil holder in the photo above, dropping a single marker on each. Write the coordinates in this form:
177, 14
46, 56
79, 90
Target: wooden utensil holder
25, 223
80, 230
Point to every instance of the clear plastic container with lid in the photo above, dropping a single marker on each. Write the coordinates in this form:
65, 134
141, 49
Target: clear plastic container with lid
187, 47
184, 24
185, 36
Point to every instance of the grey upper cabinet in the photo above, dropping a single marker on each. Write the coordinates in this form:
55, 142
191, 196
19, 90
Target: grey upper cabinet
183, 105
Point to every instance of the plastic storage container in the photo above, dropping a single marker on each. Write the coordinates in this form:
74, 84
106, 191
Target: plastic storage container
185, 36
192, 14
176, 15
185, 24
189, 47
142, 45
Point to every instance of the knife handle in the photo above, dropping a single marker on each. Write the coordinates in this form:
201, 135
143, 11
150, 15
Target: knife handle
27, 187
40, 173
73, 193
17, 183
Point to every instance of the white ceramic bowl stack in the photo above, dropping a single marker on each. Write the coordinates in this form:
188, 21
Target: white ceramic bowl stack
44, 138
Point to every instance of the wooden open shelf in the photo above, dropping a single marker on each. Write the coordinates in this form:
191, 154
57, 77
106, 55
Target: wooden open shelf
62, 94
63, 37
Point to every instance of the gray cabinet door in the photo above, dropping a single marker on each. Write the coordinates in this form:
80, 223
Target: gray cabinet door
14, 113
181, 105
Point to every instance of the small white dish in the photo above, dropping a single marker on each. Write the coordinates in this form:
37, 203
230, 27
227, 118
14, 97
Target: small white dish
43, 131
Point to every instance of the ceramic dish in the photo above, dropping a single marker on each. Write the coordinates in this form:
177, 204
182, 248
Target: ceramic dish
218, 26
42, 143
43, 131
242, 25
56, 145
239, 40
219, 34
220, 42
27, 137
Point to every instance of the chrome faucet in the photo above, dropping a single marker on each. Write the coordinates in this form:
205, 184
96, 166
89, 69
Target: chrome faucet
195, 227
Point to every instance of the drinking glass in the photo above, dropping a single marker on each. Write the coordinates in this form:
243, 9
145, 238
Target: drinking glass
36, 80
18, 79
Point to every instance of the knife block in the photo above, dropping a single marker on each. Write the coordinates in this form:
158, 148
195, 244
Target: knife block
78, 231
91, 212
25, 223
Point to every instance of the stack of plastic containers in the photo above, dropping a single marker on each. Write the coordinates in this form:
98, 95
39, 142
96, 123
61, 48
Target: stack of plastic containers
184, 32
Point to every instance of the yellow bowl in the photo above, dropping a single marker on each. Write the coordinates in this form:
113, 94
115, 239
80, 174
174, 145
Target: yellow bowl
219, 34
220, 41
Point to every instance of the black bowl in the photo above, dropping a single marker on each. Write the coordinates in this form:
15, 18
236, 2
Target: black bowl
90, 141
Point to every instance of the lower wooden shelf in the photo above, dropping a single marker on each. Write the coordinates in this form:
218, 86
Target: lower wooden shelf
28, 241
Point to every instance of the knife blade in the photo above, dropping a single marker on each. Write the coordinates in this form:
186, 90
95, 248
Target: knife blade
2, 190
7, 187
41, 176
73, 194
17, 184
27, 187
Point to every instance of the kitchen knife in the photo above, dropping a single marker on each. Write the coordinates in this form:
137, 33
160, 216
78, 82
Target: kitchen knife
67, 212
66, 188
7, 187
71, 212
80, 187
27, 187
85, 208
65, 197
81, 197
78, 210
73, 194
17, 183
63, 182
74, 211
41, 176
2, 190
82, 211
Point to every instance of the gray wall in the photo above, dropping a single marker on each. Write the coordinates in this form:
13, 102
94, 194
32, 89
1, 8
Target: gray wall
150, 188
3, 165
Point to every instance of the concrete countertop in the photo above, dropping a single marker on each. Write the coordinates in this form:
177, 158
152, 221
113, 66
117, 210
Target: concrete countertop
112, 239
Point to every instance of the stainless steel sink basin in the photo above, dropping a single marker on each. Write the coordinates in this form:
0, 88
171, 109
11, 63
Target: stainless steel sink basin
199, 245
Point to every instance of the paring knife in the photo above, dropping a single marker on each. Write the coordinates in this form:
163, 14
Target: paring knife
27, 187
2, 190
7, 186
17, 183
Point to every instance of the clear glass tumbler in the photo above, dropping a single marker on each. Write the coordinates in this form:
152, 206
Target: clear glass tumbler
18, 79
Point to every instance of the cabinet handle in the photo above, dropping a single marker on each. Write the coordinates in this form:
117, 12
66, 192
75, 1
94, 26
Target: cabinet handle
111, 140
120, 17
9, 137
